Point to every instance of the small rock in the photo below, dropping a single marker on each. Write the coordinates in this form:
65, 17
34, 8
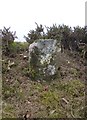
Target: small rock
68, 61
38, 81
25, 57
28, 102
8, 68
21, 54
27, 115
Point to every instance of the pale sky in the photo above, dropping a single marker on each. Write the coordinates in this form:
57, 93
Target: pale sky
21, 15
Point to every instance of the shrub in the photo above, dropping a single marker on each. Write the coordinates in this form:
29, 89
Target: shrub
8, 38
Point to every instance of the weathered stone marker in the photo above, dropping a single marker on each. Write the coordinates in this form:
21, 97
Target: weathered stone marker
43, 59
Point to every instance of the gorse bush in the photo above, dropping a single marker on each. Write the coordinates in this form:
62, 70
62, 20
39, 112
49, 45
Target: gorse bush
34, 34
8, 38
68, 38
9, 47
18, 47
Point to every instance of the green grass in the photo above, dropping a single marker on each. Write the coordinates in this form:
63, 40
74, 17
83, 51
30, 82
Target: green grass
8, 111
51, 99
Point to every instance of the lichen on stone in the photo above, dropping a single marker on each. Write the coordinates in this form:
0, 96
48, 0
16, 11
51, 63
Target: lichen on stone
42, 58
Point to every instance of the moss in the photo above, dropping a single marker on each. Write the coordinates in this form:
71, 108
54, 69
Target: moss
71, 87
33, 65
8, 91
8, 111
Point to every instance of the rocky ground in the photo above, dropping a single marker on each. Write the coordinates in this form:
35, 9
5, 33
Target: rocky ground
63, 97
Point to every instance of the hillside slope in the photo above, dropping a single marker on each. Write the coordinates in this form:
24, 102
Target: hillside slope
63, 97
